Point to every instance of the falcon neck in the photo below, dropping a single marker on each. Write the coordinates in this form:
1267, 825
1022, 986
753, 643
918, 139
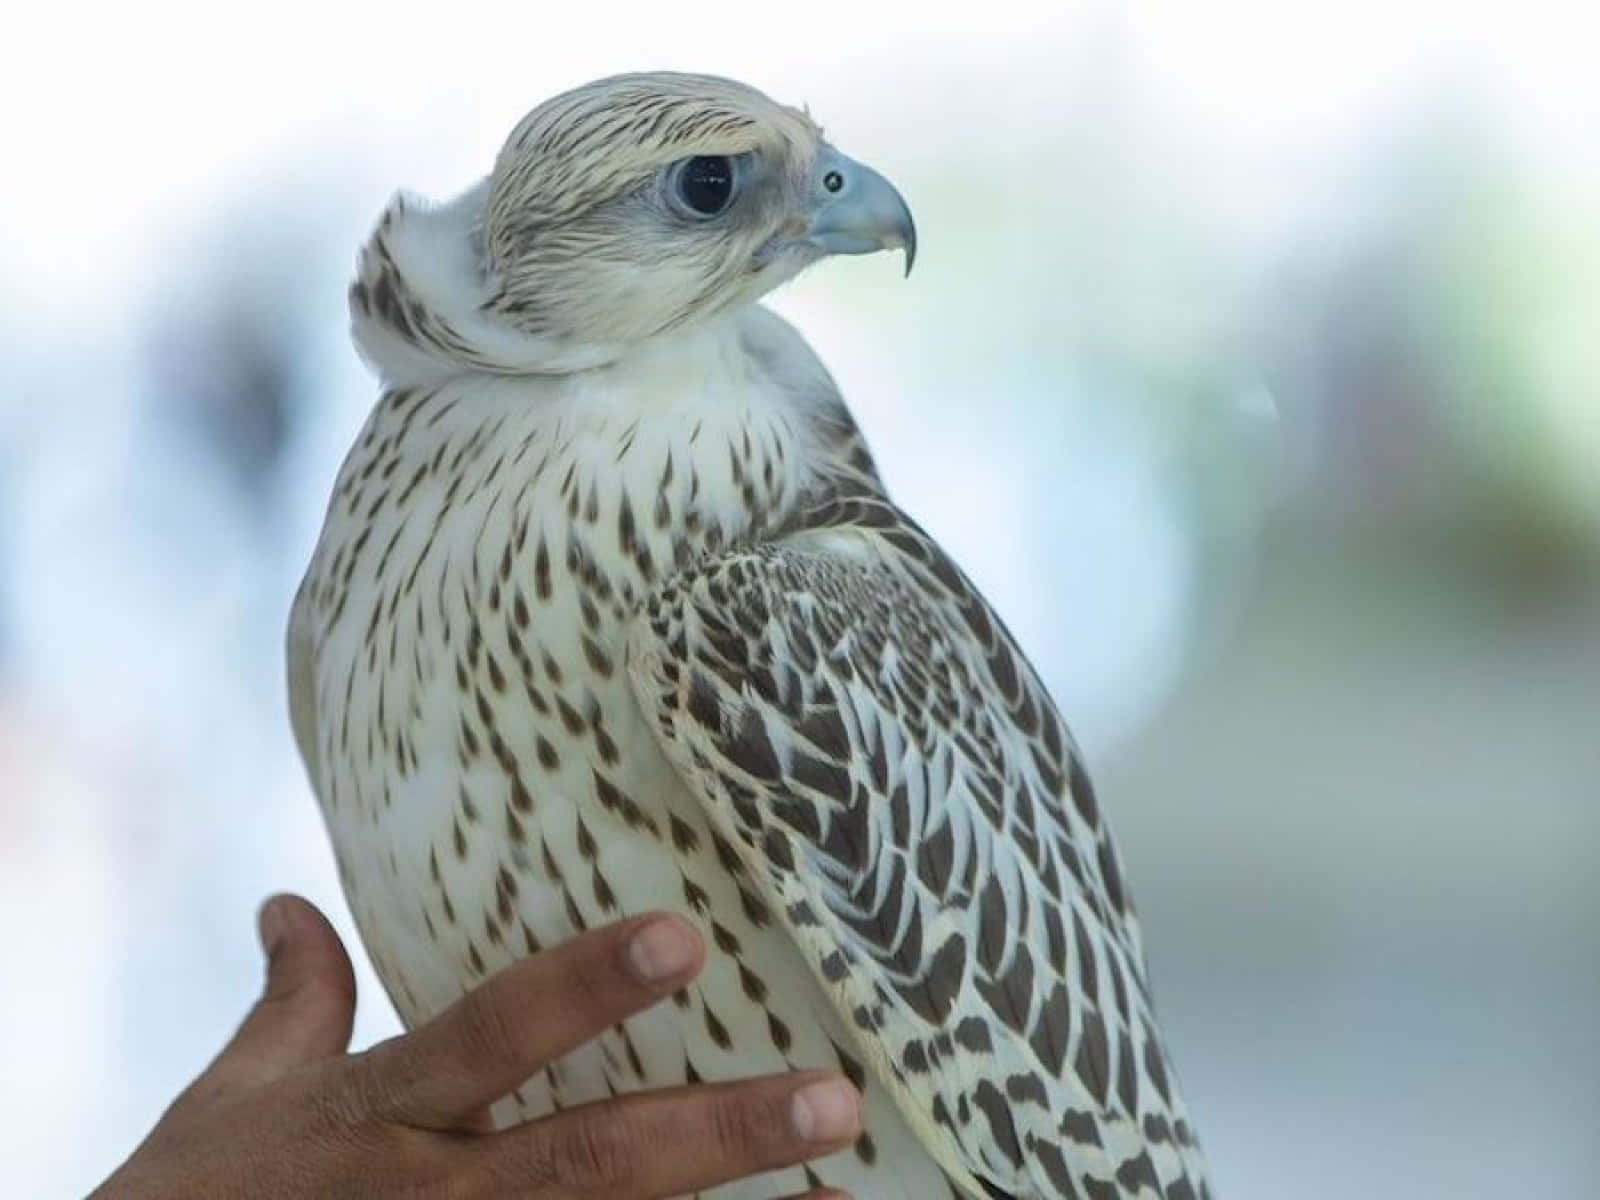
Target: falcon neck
690, 434
693, 443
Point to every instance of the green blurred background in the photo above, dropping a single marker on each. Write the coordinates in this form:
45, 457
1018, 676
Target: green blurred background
1251, 365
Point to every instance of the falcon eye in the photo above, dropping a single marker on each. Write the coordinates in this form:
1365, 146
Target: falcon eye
705, 184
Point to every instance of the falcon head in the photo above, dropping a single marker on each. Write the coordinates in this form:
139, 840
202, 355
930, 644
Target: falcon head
617, 211
642, 202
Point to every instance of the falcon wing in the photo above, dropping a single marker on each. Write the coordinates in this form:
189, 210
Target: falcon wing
863, 729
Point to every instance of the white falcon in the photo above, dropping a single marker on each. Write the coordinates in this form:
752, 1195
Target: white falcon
611, 612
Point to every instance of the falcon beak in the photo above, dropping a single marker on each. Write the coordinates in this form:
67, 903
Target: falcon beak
854, 210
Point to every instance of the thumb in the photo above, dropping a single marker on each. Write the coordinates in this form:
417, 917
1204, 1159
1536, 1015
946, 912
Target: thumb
306, 1007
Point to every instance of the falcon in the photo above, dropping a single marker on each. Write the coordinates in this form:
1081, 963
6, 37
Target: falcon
611, 612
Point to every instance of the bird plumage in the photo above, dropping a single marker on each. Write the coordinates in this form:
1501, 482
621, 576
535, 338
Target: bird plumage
611, 612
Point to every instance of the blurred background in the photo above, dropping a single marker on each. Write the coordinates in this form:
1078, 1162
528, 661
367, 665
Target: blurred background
1251, 365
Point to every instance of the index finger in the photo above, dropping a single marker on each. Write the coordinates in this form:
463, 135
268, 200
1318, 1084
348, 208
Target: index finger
534, 1011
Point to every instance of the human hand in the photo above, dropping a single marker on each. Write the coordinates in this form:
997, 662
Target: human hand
285, 1110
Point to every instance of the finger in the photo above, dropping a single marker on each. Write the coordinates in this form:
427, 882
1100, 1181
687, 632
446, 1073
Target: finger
679, 1140
306, 1007
495, 1037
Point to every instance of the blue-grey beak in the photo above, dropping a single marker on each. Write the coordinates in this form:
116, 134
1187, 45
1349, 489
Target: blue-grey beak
857, 211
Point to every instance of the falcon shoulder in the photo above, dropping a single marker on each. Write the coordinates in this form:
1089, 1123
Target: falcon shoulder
862, 728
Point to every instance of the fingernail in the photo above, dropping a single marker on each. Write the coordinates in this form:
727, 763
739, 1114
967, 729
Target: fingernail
662, 949
825, 1111
270, 925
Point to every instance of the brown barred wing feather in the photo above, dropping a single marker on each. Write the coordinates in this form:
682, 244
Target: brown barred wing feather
863, 729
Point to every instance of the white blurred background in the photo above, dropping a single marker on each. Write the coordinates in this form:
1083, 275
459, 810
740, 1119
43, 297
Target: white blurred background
1251, 365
